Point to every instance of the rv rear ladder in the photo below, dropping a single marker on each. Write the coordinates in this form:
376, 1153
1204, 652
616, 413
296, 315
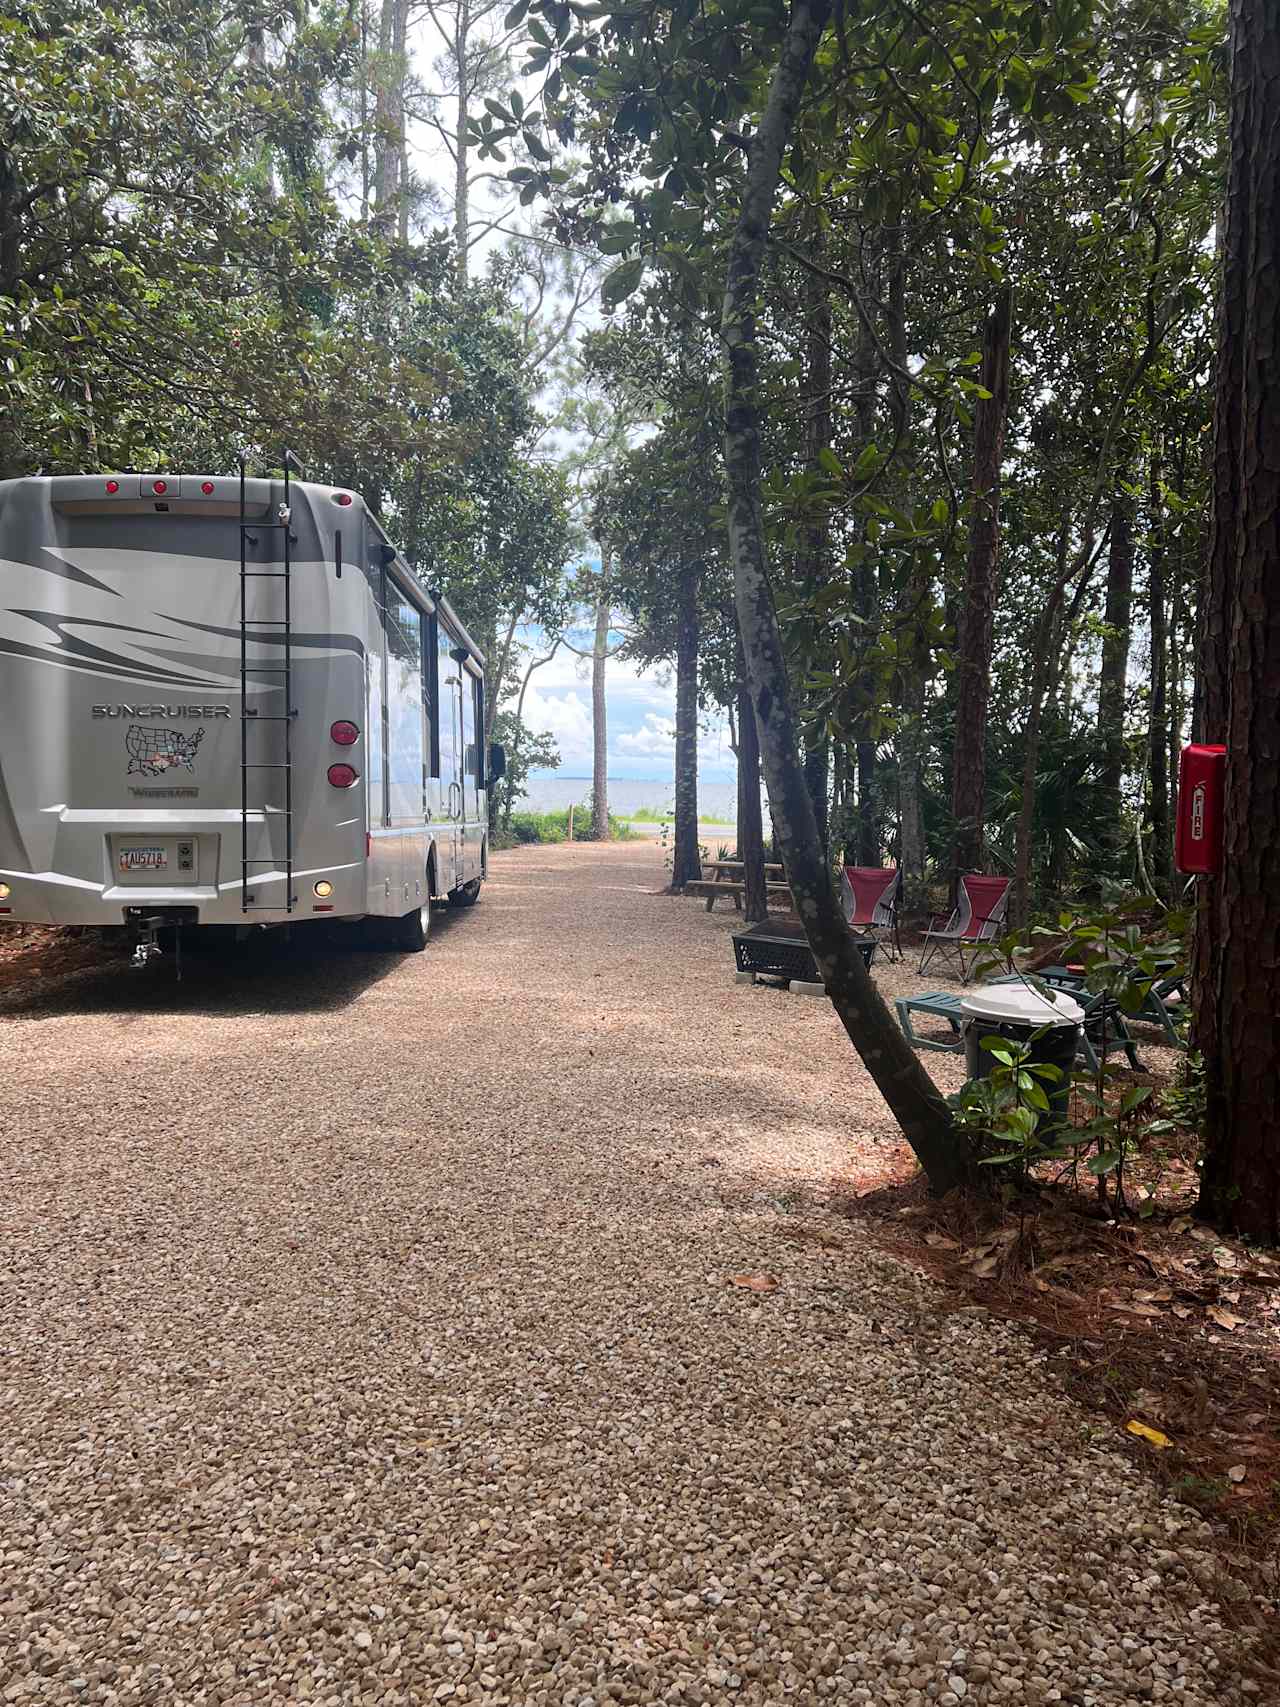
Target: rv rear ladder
248, 536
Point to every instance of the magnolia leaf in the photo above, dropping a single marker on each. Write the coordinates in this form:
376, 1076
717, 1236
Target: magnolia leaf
1237, 1473
622, 281
1153, 1435
756, 1282
1225, 1318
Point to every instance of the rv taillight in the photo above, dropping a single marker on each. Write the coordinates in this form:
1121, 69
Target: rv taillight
113, 486
344, 733
206, 486
343, 776
343, 498
160, 486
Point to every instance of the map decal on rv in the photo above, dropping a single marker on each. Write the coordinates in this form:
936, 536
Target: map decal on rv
152, 752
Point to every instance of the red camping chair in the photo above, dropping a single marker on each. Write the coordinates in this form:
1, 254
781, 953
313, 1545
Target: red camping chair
984, 902
871, 894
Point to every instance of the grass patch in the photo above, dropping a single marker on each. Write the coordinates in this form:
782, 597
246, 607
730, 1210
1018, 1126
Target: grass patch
537, 827
651, 815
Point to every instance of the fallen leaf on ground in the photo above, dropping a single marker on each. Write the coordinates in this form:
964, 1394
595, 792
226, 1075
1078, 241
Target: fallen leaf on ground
1007, 1235
1138, 1310
756, 1282
1223, 1258
1151, 1434
1224, 1318
941, 1242
1181, 1225
1238, 1472
1161, 1296
987, 1266
1182, 1310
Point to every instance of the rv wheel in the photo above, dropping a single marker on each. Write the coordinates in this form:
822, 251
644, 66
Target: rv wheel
467, 895
409, 934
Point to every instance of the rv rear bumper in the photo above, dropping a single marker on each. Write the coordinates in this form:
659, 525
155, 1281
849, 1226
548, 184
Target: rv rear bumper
52, 898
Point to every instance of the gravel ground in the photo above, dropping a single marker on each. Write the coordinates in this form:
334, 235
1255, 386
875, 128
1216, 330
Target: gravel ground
370, 1336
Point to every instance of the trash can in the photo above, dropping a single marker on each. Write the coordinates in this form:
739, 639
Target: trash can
1017, 1011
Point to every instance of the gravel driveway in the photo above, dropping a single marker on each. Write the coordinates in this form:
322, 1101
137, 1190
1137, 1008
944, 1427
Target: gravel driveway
369, 1337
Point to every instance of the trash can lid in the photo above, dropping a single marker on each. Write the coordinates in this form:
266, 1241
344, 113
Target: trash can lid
1022, 1004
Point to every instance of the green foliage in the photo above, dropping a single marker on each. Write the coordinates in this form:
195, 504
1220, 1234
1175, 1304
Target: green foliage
526, 827
1122, 954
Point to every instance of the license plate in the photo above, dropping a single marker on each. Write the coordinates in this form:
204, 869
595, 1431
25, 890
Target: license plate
143, 859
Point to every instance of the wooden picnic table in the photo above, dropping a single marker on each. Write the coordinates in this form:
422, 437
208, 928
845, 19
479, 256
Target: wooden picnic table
727, 869
728, 885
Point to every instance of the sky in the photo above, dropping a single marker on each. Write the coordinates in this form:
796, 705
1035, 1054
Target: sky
640, 706
640, 703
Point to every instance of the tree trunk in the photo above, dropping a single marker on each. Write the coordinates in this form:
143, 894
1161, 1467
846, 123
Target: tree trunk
686, 864
889, 1058
461, 187
916, 598
1237, 971
815, 564
386, 130
910, 753
599, 721
973, 652
866, 847
750, 823
1158, 719
1020, 905
1113, 680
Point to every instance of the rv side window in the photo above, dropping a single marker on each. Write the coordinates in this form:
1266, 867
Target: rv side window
404, 705
470, 745
431, 691
447, 722
375, 784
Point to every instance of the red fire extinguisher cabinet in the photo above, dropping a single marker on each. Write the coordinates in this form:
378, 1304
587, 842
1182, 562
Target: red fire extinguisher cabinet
1198, 841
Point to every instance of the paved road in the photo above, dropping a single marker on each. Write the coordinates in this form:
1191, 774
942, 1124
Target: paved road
370, 1336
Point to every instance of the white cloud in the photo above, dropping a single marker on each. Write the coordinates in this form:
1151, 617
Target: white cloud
568, 717
654, 738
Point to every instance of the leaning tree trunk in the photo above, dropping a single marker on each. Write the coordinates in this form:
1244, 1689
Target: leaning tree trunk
750, 822
1113, 677
686, 864
599, 716
1237, 972
977, 615
910, 1093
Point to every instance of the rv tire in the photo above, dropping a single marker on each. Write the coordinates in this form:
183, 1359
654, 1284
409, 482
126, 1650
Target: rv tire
466, 895
410, 932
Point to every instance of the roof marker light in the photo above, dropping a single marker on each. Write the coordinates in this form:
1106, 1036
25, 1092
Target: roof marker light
345, 734
206, 486
160, 486
113, 485
343, 498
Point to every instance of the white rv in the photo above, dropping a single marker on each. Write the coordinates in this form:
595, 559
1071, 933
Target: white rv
229, 701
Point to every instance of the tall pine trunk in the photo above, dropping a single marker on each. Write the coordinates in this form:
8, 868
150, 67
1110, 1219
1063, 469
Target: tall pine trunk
755, 902
1158, 713
599, 717
977, 614
815, 560
1237, 969
914, 1099
1112, 683
686, 865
